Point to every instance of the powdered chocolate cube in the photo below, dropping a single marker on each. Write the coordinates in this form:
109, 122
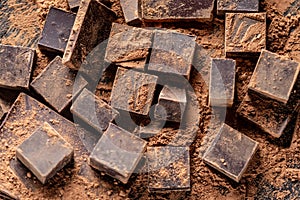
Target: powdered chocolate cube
45, 152
59, 78
245, 34
274, 76
117, 153
15, 66
128, 46
56, 30
93, 111
222, 82
172, 53
91, 27
230, 152
168, 168
177, 10
133, 91
248, 6
173, 101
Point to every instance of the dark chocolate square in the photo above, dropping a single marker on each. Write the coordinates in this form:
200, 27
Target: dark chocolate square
172, 53
177, 10
117, 153
131, 11
57, 30
248, 6
133, 91
128, 46
168, 168
230, 152
45, 152
58, 85
171, 104
222, 82
245, 34
93, 111
15, 66
274, 76
91, 27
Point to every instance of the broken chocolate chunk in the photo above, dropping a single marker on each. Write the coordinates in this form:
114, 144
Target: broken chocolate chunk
172, 53
222, 82
59, 78
131, 11
117, 153
173, 101
274, 76
247, 6
133, 91
15, 66
50, 153
230, 152
7, 98
128, 46
74, 4
91, 27
168, 168
245, 34
56, 30
177, 10
93, 111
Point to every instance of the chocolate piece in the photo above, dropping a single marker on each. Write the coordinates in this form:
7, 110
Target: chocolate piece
131, 11
222, 82
93, 111
177, 10
117, 153
25, 117
133, 91
91, 27
270, 116
245, 34
49, 155
15, 67
56, 30
237, 6
230, 152
168, 168
128, 46
7, 98
59, 78
74, 4
172, 52
171, 102
274, 76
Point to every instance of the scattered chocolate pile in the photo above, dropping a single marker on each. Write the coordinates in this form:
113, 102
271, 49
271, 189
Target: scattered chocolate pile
133, 104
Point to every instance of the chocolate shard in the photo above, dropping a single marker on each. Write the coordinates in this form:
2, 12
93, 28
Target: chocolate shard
93, 111
172, 53
222, 82
91, 27
133, 91
117, 153
49, 155
230, 152
177, 10
131, 11
274, 76
245, 34
224, 6
56, 30
168, 168
7, 98
59, 78
15, 67
128, 46
171, 104
74, 4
